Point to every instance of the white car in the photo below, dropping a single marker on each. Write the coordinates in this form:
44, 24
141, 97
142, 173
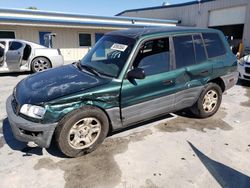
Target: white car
244, 68
19, 55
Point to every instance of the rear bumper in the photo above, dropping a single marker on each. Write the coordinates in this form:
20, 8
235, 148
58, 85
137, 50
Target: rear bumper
27, 131
230, 79
56, 61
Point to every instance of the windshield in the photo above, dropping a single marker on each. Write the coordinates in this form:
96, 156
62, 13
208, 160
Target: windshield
109, 55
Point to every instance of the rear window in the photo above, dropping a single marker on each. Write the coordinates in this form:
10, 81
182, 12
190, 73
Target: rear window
214, 45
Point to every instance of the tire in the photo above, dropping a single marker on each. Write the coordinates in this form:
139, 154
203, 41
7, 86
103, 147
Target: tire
208, 102
81, 131
40, 64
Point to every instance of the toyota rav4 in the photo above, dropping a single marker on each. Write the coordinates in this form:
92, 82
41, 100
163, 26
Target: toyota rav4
128, 77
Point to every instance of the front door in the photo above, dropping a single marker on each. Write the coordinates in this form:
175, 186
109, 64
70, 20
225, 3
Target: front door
14, 55
151, 96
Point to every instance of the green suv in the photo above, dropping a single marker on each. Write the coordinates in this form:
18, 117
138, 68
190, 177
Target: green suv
128, 77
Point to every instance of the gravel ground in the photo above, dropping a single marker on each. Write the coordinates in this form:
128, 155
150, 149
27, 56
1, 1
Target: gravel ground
173, 151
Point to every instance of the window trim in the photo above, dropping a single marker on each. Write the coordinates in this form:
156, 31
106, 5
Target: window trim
203, 42
79, 39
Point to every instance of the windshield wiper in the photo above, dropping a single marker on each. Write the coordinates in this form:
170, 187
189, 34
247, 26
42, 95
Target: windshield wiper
90, 69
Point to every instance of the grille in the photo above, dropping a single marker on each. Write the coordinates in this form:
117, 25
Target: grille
247, 77
247, 69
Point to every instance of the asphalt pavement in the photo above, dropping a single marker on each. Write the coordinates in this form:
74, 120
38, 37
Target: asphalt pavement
176, 150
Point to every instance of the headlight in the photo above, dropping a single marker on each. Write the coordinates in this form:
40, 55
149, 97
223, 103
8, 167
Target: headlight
33, 111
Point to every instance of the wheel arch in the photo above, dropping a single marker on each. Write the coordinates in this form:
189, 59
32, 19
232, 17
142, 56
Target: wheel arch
39, 57
107, 115
90, 106
219, 81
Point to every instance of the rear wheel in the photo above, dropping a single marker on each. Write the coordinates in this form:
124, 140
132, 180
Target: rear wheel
209, 101
82, 131
40, 64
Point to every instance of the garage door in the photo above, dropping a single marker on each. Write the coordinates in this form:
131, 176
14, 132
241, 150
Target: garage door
229, 16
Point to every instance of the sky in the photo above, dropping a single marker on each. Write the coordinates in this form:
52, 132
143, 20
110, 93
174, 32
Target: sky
87, 7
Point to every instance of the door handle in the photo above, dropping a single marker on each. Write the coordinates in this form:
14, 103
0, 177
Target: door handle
168, 82
204, 72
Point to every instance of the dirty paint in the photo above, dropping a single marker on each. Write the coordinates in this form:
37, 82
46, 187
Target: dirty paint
182, 123
247, 94
98, 168
149, 184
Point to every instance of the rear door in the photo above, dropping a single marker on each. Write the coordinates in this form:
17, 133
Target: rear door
14, 55
201, 71
142, 99
192, 66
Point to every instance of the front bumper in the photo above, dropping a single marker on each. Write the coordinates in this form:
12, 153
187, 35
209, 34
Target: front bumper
27, 131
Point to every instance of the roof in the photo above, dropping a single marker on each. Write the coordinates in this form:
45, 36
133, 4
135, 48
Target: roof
62, 19
141, 32
165, 6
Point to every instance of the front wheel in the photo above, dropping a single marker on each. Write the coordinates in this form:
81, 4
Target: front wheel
209, 101
40, 64
82, 131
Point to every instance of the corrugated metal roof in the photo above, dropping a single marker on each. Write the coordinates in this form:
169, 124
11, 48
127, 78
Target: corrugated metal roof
165, 6
20, 16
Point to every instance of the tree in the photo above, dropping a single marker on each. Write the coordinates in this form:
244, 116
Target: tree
32, 8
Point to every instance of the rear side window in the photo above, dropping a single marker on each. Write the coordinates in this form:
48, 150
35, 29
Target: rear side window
200, 53
15, 45
184, 51
214, 45
154, 57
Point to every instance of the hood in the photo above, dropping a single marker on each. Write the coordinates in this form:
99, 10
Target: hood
54, 83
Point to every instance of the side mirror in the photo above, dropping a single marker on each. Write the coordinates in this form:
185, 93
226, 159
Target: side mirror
137, 73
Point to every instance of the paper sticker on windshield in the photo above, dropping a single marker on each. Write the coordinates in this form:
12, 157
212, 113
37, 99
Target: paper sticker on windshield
119, 47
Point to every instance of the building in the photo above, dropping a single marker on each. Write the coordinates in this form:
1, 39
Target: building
75, 33
230, 16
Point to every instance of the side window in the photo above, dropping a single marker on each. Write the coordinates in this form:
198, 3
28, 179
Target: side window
15, 45
184, 51
154, 57
84, 39
200, 53
214, 45
7, 34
